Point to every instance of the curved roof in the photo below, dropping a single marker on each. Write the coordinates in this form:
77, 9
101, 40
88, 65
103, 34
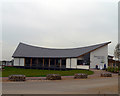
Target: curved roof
24, 50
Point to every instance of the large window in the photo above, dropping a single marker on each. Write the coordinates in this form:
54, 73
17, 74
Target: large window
46, 62
63, 65
79, 62
40, 62
87, 59
52, 61
63, 61
34, 62
84, 60
27, 62
57, 62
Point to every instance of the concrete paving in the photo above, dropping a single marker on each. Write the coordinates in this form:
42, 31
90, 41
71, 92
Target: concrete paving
84, 86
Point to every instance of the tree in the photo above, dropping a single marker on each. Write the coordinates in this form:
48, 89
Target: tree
117, 55
117, 52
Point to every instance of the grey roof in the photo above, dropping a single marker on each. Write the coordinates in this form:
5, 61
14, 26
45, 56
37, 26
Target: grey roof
24, 50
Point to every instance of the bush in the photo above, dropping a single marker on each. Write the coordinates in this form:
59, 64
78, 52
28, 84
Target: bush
112, 69
116, 70
109, 69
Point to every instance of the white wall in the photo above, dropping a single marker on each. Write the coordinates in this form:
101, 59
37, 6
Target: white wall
82, 67
18, 61
99, 55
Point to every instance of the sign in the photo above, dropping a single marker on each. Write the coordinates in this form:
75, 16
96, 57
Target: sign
99, 57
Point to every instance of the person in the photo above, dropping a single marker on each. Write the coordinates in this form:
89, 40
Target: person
104, 66
96, 66
101, 67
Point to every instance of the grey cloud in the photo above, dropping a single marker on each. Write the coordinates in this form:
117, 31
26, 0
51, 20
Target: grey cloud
58, 23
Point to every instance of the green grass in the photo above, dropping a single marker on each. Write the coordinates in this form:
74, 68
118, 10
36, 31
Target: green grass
40, 73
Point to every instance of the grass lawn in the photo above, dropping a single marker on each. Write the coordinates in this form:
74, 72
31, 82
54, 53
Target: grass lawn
40, 73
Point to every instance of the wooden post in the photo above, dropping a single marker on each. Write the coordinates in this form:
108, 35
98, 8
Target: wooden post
49, 62
55, 64
60, 63
30, 62
43, 62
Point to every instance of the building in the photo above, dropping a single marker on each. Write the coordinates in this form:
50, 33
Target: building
0, 64
7, 63
112, 62
27, 56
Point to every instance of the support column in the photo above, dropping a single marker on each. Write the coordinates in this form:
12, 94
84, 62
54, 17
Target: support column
55, 64
49, 62
60, 63
30, 62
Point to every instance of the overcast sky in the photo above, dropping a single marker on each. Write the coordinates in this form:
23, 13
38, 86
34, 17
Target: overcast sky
58, 23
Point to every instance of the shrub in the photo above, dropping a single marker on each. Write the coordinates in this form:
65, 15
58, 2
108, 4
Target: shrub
109, 69
116, 70
112, 69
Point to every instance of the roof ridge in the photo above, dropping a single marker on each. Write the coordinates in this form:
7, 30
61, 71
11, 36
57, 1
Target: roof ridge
64, 48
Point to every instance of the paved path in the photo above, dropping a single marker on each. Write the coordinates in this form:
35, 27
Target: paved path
93, 85
97, 73
84, 86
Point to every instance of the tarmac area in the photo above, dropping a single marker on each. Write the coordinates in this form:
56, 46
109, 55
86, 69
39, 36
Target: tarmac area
94, 84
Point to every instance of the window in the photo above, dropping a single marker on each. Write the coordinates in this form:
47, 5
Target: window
63, 61
84, 60
40, 62
27, 61
52, 61
79, 62
34, 62
46, 62
57, 62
